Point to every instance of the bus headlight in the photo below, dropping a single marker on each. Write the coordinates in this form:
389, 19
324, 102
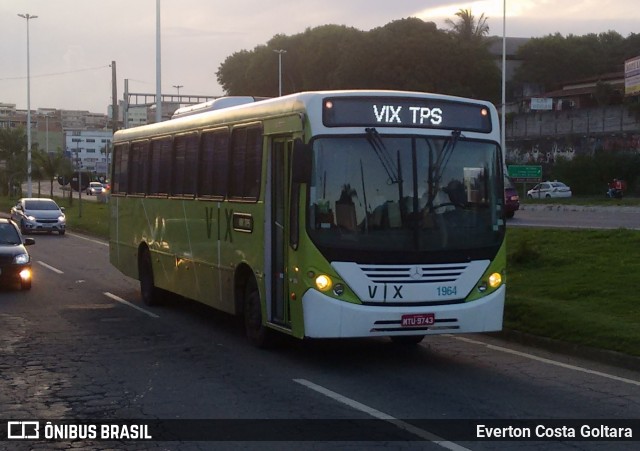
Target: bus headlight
323, 282
495, 280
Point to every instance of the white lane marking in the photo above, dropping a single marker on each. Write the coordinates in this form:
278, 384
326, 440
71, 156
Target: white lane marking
382, 416
122, 301
548, 361
86, 238
56, 270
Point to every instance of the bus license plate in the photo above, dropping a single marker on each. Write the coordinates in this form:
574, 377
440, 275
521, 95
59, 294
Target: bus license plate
418, 319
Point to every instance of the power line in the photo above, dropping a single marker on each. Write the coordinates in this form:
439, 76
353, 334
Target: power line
56, 73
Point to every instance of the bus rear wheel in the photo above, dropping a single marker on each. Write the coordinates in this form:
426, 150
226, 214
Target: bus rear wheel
149, 292
257, 333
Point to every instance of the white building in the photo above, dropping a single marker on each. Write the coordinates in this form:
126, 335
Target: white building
136, 116
89, 149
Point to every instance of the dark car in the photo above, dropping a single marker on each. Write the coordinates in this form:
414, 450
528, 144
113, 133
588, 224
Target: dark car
511, 198
37, 214
15, 262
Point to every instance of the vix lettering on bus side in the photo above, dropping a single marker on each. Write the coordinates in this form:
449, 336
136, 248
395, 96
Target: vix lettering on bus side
390, 114
208, 217
397, 294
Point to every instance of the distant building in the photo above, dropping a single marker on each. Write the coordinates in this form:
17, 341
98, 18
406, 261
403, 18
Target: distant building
136, 116
89, 149
79, 134
602, 90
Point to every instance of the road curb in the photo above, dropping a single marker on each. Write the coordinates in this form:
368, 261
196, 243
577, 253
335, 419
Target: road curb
587, 208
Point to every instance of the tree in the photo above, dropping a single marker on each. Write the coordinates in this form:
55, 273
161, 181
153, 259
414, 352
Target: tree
466, 28
556, 59
406, 54
52, 164
13, 144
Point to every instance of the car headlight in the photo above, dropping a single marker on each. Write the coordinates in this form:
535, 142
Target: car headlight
21, 259
31, 218
61, 218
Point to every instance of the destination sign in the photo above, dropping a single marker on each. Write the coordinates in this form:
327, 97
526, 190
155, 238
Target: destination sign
405, 112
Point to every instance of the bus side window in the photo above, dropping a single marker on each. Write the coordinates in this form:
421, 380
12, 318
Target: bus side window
138, 167
120, 168
214, 163
161, 166
185, 164
246, 163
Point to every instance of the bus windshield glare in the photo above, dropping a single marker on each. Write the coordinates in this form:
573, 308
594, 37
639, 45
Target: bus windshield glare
405, 194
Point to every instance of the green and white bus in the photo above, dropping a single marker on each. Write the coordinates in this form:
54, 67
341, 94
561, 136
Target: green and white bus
320, 214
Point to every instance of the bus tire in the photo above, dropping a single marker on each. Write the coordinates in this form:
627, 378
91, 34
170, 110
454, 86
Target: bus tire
257, 333
407, 339
149, 292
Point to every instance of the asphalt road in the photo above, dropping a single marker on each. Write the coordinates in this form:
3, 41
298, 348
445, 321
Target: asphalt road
80, 345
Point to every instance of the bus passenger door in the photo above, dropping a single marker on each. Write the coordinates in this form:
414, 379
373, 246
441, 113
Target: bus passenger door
280, 156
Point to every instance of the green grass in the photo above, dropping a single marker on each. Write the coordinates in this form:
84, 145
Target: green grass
94, 219
579, 286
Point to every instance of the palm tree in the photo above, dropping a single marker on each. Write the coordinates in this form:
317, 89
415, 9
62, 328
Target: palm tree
13, 143
52, 164
466, 27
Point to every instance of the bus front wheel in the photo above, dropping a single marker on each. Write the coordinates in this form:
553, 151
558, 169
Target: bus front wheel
257, 333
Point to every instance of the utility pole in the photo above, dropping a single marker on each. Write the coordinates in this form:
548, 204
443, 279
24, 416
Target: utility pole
28, 17
114, 99
79, 166
114, 116
158, 67
280, 52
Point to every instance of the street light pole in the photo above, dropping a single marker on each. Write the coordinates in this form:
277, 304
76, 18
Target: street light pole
280, 52
178, 88
29, 188
503, 121
158, 67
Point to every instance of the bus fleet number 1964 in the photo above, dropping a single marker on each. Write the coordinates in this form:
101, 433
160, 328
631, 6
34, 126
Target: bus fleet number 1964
447, 291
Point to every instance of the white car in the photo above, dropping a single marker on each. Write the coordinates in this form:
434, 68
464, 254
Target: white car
94, 188
34, 214
548, 190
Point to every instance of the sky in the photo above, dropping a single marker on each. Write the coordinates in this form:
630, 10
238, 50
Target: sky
73, 42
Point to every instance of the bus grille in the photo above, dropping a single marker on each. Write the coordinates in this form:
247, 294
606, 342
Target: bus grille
432, 273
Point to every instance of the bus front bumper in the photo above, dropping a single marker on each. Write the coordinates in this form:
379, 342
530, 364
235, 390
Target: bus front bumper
326, 317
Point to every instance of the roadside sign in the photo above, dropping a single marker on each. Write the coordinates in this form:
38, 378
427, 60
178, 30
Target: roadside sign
541, 103
525, 173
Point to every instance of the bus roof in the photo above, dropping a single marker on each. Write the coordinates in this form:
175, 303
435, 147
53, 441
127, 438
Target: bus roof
293, 103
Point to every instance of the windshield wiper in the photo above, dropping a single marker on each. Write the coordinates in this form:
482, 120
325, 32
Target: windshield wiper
445, 155
435, 174
376, 142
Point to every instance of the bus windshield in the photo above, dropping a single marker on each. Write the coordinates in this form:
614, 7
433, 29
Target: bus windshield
405, 194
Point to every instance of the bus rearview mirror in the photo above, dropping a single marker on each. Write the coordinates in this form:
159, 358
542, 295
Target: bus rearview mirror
301, 162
